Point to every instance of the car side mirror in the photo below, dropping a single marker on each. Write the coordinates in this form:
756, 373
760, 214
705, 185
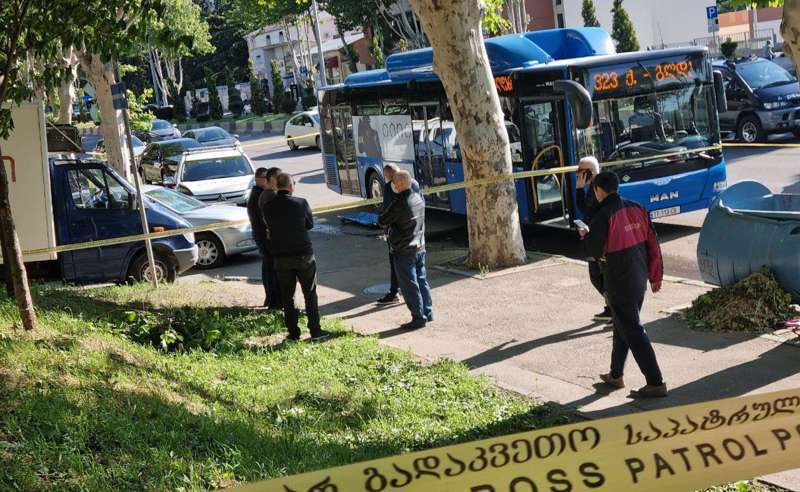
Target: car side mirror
131, 201
719, 92
579, 99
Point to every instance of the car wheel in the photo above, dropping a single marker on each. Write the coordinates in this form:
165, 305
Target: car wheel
317, 143
292, 143
166, 270
211, 253
750, 130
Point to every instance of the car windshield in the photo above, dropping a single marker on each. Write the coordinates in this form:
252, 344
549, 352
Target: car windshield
160, 125
136, 141
764, 73
649, 125
212, 134
224, 167
175, 148
315, 116
177, 202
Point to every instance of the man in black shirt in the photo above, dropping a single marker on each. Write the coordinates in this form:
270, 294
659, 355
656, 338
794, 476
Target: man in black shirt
288, 220
260, 236
588, 168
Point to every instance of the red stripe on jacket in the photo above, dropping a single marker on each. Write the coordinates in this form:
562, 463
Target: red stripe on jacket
630, 226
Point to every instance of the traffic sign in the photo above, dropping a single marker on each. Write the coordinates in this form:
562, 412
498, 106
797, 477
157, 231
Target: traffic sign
712, 12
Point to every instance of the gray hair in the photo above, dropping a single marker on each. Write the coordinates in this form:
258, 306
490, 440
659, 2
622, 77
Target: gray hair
391, 166
402, 180
591, 161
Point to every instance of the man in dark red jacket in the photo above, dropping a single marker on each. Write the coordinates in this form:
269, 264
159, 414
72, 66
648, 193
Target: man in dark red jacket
621, 237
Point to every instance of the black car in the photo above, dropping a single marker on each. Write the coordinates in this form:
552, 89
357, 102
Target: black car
763, 98
160, 158
212, 136
161, 130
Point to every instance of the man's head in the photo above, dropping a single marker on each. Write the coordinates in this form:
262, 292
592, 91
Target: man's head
604, 184
389, 170
401, 181
589, 167
285, 182
643, 103
272, 178
261, 178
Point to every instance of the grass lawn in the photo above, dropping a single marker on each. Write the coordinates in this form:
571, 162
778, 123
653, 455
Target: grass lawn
125, 389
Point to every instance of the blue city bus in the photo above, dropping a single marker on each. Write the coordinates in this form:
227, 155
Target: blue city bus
563, 91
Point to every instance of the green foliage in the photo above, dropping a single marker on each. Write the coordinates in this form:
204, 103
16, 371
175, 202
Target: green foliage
755, 304
235, 104
178, 101
375, 49
140, 118
278, 89
740, 4
258, 105
589, 15
308, 101
85, 408
493, 20
214, 103
180, 31
288, 104
622, 31
227, 40
728, 48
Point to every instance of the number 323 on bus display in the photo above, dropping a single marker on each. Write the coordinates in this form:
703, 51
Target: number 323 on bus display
644, 78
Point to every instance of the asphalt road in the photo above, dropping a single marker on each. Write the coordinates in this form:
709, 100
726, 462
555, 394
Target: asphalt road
777, 168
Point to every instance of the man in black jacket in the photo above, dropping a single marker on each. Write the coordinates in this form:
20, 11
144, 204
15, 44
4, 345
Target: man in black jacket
268, 277
622, 238
588, 168
405, 219
289, 219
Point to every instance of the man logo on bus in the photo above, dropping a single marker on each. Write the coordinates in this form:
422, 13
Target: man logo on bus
663, 196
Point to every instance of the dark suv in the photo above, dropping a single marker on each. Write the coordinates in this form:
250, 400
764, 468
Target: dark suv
763, 98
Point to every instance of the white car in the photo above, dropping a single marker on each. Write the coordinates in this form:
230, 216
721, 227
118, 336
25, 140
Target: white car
302, 130
213, 175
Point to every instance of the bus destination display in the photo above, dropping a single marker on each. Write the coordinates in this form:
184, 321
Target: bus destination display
645, 76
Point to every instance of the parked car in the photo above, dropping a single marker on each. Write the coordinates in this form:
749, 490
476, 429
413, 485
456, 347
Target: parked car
213, 175
138, 148
159, 156
212, 136
302, 130
763, 98
213, 246
161, 130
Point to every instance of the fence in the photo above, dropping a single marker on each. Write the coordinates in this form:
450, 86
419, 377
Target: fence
748, 44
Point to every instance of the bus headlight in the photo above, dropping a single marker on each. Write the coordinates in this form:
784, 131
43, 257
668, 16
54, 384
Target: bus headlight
720, 185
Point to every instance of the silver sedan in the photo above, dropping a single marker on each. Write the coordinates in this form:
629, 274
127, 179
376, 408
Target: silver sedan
214, 246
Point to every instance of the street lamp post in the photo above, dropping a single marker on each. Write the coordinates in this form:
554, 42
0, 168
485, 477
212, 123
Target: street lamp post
323, 80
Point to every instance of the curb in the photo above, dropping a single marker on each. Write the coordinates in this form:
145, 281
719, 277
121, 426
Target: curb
234, 127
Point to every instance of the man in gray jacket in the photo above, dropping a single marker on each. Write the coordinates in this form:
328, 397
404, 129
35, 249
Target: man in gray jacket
405, 219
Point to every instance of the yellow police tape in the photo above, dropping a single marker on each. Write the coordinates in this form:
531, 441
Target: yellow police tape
674, 449
350, 205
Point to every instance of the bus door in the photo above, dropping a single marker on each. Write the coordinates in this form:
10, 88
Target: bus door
345, 150
541, 126
429, 149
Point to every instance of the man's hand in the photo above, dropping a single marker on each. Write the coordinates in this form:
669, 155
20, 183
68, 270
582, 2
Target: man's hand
580, 182
655, 286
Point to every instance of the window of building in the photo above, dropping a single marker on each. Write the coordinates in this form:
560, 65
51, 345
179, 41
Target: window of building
561, 20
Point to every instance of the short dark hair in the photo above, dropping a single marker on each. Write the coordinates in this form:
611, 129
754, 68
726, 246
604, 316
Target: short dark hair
606, 181
284, 181
273, 171
261, 172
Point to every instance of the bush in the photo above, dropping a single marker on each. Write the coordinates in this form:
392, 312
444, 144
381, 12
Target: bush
214, 103
278, 90
728, 48
257, 104
288, 104
754, 304
308, 101
235, 104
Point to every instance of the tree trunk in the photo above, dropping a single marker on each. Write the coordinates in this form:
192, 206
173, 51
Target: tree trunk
14, 260
461, 62
66, 92
790, 30
348, 51
101, 76
162, 84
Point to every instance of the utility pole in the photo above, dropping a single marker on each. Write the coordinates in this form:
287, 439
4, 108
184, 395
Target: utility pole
323, 80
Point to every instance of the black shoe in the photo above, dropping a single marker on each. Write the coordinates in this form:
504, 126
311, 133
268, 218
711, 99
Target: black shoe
413, 325
292, 339
603, 316
322, 335
389, 299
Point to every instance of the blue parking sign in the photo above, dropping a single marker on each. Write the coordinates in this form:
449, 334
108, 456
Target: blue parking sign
711, 12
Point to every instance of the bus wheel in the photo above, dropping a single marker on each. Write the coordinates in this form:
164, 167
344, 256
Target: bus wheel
375, 189
750, 130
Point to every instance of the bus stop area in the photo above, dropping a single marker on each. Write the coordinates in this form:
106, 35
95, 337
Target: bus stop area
530, 329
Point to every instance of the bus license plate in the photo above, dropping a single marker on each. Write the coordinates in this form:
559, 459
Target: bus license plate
665, 212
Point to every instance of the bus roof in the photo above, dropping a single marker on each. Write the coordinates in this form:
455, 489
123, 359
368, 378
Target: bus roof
530, 51
506, 53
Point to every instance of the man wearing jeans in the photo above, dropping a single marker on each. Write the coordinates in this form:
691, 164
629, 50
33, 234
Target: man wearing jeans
289, 219
405, 219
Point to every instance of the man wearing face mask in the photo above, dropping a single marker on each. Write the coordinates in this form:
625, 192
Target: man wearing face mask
389, 195
588, 168
405, 219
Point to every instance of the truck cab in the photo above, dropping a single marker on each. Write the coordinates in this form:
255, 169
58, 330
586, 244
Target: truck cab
92, 202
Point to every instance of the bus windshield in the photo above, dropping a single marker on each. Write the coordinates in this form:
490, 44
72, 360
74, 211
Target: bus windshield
655, 127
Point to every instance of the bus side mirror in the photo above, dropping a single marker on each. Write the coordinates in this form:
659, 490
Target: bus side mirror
579, 99
719, 92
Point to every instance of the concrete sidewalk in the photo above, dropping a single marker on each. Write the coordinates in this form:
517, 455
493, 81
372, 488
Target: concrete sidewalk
532, 332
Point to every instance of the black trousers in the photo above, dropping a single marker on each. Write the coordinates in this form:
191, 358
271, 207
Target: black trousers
596, 277
629, 335
394, 285
269, 277
291, 270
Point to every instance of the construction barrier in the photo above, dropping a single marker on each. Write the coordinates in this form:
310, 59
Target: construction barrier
676, 449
